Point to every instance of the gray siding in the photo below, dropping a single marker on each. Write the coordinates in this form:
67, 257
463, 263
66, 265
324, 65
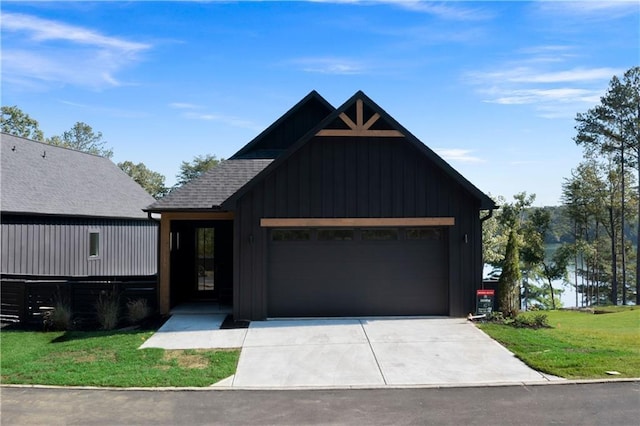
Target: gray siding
332, 177
50, 246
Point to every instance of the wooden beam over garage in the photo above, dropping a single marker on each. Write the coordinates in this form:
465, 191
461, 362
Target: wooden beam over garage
355, 222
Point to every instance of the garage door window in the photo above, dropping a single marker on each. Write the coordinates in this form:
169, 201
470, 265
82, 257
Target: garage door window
290, 235
423, 234
379, 234
335, 235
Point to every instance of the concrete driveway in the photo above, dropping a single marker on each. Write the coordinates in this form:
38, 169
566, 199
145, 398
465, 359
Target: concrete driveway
361, 352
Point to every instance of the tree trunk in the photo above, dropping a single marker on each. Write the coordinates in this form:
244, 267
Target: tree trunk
638, 227
614, 260
575, 264
622, 220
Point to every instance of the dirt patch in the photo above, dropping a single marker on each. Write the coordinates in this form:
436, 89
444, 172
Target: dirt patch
184, 359
82, 356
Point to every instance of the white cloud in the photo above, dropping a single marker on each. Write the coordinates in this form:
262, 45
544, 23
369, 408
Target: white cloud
195, 112
554, 88
43, 30
330, 65
574, 75
442, 9
225, 119
592, 9
183, 105
38, 53
458, 155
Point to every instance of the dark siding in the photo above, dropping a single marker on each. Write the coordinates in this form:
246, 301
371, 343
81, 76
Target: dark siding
60, 246
286, 132
357, 177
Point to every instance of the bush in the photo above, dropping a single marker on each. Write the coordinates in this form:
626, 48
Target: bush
531, 321
137, 310
58, 318
495, 316
107, 309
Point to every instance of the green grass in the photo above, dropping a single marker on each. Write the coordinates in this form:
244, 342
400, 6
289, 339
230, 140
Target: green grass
578, 345
106, 359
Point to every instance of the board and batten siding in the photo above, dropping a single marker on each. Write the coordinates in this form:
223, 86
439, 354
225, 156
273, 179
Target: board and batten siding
369, 177
48, 246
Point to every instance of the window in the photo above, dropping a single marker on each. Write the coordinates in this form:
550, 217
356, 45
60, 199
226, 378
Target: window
335, 234
379, 234
94, 243
423, 234
290, 235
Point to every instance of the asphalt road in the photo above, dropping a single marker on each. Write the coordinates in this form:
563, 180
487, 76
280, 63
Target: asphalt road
571, 404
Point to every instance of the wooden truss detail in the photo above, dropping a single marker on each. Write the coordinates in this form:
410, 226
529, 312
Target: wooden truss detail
359, 128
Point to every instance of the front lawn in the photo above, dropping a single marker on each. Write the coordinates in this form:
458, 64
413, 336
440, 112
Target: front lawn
578, 345
106, 358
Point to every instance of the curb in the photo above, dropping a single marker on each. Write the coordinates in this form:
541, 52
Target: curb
322, 388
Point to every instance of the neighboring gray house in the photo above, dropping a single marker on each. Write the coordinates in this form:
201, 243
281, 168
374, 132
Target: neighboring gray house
66, 213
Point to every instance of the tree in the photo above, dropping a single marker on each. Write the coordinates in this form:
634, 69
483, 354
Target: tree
16, 122
152, 182
493, 240
193, 169
510, 219
536, 230
612, 128
81, 137
509, 281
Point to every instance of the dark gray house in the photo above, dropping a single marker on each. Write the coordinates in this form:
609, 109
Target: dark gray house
66, 213
328, 212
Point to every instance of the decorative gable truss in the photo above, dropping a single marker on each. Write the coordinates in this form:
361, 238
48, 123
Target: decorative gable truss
347, 126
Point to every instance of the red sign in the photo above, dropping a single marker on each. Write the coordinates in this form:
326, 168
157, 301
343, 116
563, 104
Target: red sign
485, 292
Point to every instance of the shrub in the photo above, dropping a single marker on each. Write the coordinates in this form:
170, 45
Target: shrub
495, 316
107, 309
137, 310
531, 321
58, 318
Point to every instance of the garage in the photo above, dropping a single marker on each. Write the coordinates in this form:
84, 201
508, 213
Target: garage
370, 271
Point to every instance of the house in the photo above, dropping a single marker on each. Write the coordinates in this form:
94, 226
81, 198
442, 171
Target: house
328, 212
66, 216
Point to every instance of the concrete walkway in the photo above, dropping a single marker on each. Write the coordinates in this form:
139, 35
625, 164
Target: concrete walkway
360, 352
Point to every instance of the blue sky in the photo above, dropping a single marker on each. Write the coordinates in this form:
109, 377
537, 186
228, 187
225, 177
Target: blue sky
493, 87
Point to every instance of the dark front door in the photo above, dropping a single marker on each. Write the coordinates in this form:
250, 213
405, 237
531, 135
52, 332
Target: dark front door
201, 261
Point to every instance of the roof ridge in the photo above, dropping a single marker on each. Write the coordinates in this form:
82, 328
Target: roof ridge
51, 145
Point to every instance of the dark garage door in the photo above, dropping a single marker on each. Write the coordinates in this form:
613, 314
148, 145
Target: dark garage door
358, 272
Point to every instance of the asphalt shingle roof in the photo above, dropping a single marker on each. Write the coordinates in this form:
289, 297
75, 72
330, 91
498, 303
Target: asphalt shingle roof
37, 178
213, 187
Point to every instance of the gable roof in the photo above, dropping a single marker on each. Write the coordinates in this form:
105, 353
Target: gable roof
212, 188
216, 185
42, 179
360, 116
287, 129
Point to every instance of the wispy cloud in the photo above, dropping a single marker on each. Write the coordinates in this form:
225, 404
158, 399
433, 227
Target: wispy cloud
442, 9
554, 88
195, 112
591, 9
45, 52
458, 155
183, 105
331, 65
445, 10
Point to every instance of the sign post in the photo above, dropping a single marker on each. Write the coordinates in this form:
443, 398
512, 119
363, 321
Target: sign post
484, 301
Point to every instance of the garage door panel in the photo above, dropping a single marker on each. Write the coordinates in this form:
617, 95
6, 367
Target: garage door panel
357, 278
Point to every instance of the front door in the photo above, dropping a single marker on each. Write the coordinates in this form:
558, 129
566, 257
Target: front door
205, 286
201, 261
